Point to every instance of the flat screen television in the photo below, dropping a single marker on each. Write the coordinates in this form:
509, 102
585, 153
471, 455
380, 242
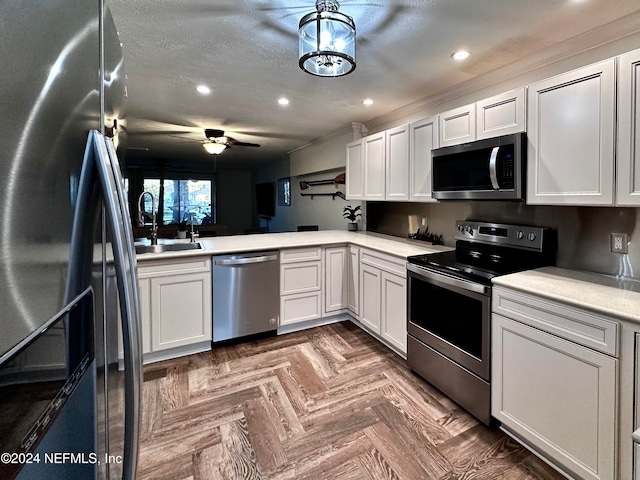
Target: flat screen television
266, 199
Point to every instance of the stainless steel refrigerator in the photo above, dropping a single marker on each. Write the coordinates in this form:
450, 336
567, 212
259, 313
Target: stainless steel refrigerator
69, 407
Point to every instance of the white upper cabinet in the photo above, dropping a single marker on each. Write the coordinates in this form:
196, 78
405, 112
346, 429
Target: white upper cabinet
502, 114
354, 169
628, 188
458, 126
571, 129
423, 137
397, 164
374, 151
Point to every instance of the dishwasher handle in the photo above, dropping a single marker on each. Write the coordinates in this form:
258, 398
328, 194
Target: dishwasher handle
246, 260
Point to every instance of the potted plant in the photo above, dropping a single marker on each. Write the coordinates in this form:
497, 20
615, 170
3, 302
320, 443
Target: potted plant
351, 214
182, 229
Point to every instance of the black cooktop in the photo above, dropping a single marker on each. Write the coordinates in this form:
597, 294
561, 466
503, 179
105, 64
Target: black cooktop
480, 264
484, 251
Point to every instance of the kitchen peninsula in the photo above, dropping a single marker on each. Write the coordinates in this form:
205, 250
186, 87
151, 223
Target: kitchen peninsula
325, 276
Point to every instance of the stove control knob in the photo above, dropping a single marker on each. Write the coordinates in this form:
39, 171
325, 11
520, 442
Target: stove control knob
469, 230
519, 234
461, 228
531, 236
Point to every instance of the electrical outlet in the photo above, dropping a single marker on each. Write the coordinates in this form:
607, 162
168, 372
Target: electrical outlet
424, 221
619, 243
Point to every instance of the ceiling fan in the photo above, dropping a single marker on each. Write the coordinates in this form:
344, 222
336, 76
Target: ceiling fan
218, 136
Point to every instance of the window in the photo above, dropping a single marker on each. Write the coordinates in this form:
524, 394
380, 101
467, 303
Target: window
179, 200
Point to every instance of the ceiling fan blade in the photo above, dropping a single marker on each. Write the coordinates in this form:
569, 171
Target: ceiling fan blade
213, 133
240, 144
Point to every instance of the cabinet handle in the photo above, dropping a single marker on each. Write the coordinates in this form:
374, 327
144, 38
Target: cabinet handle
247, 260
438, 279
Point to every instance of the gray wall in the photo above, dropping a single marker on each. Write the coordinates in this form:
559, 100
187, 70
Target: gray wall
235, 199
321, 211
583, 232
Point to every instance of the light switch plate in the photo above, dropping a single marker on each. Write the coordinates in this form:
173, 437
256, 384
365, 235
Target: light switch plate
619, 243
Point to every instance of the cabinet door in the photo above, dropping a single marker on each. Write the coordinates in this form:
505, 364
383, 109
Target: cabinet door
181, 310
502, 114
397, 164
628, 169
353, 281
374, 166
559, 396
458, 126
571, 126
423, 137
370, 297
144, 295
144, 292
335, 279
394, 311
354, 171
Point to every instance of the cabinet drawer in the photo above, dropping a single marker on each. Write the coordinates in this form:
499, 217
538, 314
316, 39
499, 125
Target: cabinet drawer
174, 266
300, 277
573, 324
300, 255
300, 307
384, 262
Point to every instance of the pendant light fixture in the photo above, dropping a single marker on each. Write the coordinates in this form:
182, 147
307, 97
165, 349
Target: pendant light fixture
214, 148
327, 41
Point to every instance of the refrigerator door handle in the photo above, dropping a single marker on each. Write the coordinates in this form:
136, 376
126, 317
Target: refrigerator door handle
119, 222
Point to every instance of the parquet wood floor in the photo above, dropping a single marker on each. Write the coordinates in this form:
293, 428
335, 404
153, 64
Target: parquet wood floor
325, 403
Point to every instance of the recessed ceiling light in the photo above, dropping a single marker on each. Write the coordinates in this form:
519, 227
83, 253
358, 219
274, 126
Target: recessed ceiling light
367, 101
203, 89
460, 55
283, 101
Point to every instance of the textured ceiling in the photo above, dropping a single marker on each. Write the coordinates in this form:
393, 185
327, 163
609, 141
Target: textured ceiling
246, 52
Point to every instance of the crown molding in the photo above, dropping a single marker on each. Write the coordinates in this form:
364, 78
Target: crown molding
611, 38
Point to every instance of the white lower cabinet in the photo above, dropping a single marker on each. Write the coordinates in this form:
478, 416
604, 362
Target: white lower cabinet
393, 326
175, 304
335, 279
371, 307
383, 300
300, 307
353, 281
181, 310
144, 293
556, 395
300, 285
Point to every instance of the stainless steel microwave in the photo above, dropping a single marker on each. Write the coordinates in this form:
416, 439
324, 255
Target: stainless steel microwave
490, 169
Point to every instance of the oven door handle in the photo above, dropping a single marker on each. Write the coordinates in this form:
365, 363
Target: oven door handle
439, 279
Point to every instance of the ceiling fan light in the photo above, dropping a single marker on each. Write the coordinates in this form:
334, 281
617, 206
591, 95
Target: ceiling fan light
327, 41
214, 148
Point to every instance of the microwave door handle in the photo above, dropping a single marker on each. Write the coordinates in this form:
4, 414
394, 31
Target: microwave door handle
493, 160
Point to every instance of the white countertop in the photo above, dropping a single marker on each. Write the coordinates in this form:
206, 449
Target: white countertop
599, 293
277, 241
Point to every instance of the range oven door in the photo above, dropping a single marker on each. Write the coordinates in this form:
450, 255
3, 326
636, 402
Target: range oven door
452, 316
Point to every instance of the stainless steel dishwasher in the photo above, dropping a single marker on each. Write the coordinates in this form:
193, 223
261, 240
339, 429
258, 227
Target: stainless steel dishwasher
246, 294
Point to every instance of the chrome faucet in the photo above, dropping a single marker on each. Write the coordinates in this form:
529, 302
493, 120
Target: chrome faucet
154, 226
194, 235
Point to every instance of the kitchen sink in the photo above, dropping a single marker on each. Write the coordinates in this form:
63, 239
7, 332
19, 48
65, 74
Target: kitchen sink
167, 247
